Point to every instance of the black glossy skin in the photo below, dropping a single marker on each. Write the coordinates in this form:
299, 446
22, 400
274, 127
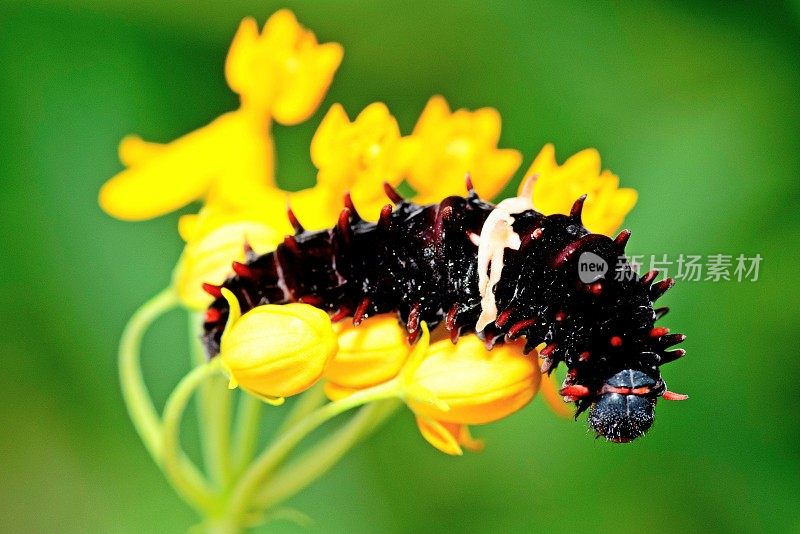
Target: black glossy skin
421, 257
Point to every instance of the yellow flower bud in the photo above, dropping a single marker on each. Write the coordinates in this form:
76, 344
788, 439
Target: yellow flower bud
467, 384
275, 351
558, 186
369, 354
207, 257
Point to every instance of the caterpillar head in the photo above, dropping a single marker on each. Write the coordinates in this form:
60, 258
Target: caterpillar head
625, 408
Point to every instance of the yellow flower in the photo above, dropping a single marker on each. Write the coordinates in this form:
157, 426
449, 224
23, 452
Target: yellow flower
228, 159
283, 70
464, 384
275, 351
369, 354
455, 144
281, 73
216, 241
557, 188
360, 155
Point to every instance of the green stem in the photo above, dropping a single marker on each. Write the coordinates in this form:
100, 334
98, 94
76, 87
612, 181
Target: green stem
221, 525
134, 391
304, 405
248, 417
140, 406
292, 478
214, 406
196, 494
253, 478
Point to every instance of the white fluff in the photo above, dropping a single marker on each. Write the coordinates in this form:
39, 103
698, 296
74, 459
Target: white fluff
497, 234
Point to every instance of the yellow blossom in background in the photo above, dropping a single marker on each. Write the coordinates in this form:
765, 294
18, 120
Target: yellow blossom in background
281, 74
229, 157
274, 351
283, 70
452, 386
360, 155
369, 354
558, 186
457, 143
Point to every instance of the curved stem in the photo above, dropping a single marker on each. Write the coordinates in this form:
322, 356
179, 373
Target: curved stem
193, 491
243, 492
248, 417
134, 391
140, 406
292, 478
304, 405
214, 406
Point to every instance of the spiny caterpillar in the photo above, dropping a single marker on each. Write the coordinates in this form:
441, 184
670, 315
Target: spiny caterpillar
508, 270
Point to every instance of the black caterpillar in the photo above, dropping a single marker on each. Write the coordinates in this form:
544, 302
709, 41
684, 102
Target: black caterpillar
422, 262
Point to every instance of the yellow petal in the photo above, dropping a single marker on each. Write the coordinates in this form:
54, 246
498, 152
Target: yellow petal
236, 67
179, 175
134, 150
418, 354
454, 145
317, 208
584, 163
187, 226
323, 148
230, 152
281, 28
544, 162
234, 310
493, 170
623, 200
439, 435
358, 156
467, 441
302, 95
486, 125
242, 151
282, 72
550, 391
435, 112
557, 187
374, 115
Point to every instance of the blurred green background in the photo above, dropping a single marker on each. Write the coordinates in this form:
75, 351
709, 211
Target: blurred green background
695, 104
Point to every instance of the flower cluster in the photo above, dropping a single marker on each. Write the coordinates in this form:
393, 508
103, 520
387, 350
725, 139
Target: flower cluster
282, 74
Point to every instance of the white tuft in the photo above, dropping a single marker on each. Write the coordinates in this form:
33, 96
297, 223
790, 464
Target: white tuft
497, 235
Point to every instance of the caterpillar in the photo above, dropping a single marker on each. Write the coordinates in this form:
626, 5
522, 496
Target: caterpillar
504, 271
